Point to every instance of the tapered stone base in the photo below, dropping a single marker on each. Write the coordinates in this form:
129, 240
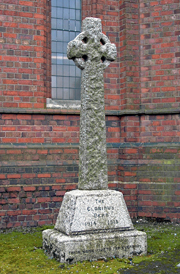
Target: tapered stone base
96, 246
93, 211
91, 225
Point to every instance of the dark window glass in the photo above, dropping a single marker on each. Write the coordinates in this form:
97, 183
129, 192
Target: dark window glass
66, 25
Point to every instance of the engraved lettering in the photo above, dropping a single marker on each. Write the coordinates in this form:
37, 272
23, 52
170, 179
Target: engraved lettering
100, 208
111, 222
100, 215
90, 223
125, 248
99, 201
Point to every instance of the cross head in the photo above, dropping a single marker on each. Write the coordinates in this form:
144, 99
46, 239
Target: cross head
91, 45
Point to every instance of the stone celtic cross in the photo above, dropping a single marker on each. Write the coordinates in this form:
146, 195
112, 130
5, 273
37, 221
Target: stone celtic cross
92, 52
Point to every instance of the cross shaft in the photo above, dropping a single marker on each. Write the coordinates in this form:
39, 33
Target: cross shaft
92, 52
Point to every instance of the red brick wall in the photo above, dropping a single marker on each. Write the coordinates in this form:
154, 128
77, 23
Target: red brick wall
129, 49
25, 53
43, 154
29, 205
38, 128
39, 147
160, 53
152, 171
145, 75
39, 163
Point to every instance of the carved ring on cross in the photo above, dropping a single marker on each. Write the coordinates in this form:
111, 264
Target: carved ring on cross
91, 46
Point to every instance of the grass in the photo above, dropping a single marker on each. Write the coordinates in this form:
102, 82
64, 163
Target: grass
21, 252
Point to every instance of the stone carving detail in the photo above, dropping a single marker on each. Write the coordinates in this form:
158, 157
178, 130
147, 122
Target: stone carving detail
92, 52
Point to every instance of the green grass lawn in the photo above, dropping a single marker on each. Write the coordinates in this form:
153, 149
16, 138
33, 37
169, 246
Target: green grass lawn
21, 252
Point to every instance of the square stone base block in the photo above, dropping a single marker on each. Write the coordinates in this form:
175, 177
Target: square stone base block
70, 249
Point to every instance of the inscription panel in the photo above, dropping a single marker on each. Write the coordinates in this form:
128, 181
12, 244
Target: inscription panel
100, 213
105, 249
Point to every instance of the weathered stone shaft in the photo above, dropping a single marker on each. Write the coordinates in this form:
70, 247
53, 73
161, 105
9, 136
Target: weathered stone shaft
92, 52
92, 150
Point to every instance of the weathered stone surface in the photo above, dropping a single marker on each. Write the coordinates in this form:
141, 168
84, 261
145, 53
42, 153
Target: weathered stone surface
93, 211
93, 246
92, 52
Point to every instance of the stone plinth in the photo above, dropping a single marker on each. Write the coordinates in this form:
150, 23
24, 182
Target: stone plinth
91, 225
95, 246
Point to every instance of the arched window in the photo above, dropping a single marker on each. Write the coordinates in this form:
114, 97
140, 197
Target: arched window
65, 26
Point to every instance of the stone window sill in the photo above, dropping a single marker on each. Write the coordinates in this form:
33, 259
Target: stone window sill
63, 104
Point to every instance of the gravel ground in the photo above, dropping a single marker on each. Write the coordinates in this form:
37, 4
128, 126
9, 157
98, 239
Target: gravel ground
166, 264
